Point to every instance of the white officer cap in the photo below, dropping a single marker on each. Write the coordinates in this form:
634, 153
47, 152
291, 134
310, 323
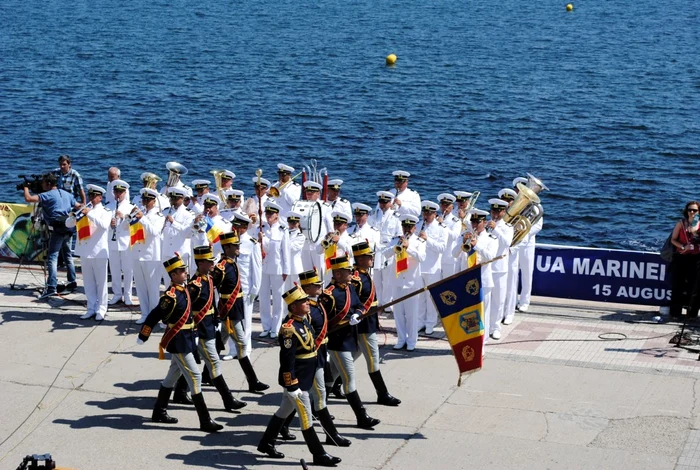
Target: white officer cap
335, 184
519, 179
272, 206
200, 183
211, 199
294, 216
228, 174
385, 195
446, 197
188, 191
358, 207
429, 205
149, 192
281, 167
462, 195
408, 219
263, 181
242, 217
93, 188
507, 193
177, 191
312, 185
401, 175
120, 184
340, 216
478, 212
497, 203
233, 194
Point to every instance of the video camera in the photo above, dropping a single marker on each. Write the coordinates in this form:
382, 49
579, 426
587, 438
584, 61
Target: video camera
34, 462
33, 182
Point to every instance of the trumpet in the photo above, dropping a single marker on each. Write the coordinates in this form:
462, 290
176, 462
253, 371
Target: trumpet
467, 241
328, 241
134, 212
199, 224
73, 215
276, 190
165, 224
399, 246
175, 172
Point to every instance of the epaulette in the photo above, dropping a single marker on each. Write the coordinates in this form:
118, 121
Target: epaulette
356, 276
253, 239
420, 239
188, 209
343, 200
221, 264
493, 236
396, 214
294, 183
442, 224
287, 329
197, 281
282, 228
328, 290
374, 228
167, 300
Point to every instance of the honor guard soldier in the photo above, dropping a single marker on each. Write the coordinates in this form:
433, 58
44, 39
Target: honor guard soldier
362, 229
252, 204
368, 327
93, 251
344, 310
405, 253
249, 264
227, 281
499, 268
336, 202
406, 200
177, 228
387, 222
435, 235
289, 190
527, 257
175, 309
201, 288
509, 196
298, 360
296, 246
275, 269
121, 264
454, 228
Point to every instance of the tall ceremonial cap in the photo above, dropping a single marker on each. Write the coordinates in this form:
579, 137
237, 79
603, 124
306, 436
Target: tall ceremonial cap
310, 277
462, 195
451, 198
174, 263
362, 248
294, 216
282, 168
179, 192
359, 208
272, 206
199, 184
211, 199
385, 196
477, 214
519, 179
229, 238
401, 175
120, 185
507, 194
498, 203
235, 194
335, 184
312, 186
408, 219
93, 188
204, 253
263, 181
295, 294
340, 262
149, 193
429, 206
340, 216
228, 175
240, 220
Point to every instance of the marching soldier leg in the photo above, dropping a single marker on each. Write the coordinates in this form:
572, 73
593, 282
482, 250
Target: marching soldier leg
189, 369
160, 413
285, 435
207, 350
318, 393
267, 443
303, 406
344, 362
180, 395
254, 385
370, 349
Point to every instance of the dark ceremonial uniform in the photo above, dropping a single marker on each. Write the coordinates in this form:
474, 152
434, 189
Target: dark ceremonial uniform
319, 323
340, 303
201, 287
227, 282
174, 309
366, 292
297, 354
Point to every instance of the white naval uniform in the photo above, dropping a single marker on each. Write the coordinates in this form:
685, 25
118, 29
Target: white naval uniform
94, 255
147, 262
228, 213
364, 232
406, 312
250, 206
200, 238
177, 237
249, 263
343, 248
512, 283
430, 267
120, 260
311, 256
388, 225
410, 202
341, 204
485, 248
499, 269
527, 263
288, 196
274, 265
162, 203
454, 228
296, 245
108, 198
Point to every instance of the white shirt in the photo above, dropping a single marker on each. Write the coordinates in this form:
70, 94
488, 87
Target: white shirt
410, 202
388, 225
150, 249
454, 228
288, 196
177, 235
341, 204
96, 246
504, 237
530, 237
410, 278
123, 235
363, 232
486, 246
276, 248
296, 245
250, 265
434, 247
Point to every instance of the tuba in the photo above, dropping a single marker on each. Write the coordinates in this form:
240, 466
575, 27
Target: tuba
526, 210
217, 181
175, 172
150, 180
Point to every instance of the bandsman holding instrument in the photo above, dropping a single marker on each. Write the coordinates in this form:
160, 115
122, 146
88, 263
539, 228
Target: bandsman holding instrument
275, 269
177, 227
499, 268
296, 246
201, 189
252, 205
509, 195
435, 235
388, 224
121, 263
285, 191
527, 256
406, 200
312, 255
361, 229
454, 228
338, 242
146, 252
249, 264
175, 173
336, 202
179, 339
461, 210
209, 224
234, 204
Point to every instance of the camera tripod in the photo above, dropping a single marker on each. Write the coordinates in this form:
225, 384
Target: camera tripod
37, 236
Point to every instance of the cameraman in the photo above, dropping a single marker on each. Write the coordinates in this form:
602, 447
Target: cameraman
55, 205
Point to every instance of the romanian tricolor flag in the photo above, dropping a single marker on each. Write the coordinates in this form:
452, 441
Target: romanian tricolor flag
138, 235
460, 303
471, 258
213, 230
82, 225
330, 252
401, 261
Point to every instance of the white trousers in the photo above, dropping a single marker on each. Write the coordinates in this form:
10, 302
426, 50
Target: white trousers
271, 302
427, 314
512, 290
382, 285
95, 282
121, 262
487, 312
527, 269
248, 323
147, 279
311, 259
406, 316
498, 300
289, 283
448, 269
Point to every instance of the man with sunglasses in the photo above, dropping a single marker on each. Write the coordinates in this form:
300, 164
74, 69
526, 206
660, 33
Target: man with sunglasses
434, 234
290, 193
406, 200
177, 231
311, 257
120, 260
453, 226
147, 254
386, 221
499, 268
201, 189
275, 269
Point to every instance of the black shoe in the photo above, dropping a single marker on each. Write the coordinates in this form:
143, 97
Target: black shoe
180, 395
364, 420
71, 286
320, 456
388, 400
160, 413
230, 403
326, 460
383, 395
332, 436
270, 450
205, 422
254, 385
267, 443
285, 435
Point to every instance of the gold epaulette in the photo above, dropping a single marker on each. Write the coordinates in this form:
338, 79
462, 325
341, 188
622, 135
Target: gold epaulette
287, 329
197, 281
329, 290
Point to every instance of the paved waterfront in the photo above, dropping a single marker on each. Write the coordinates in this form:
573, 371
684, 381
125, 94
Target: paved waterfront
552, 394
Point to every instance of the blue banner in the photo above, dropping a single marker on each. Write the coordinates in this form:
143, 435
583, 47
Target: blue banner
627, 277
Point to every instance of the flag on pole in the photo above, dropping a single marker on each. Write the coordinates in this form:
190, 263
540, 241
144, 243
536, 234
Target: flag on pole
84, 228
330, 252
460, 303
138, 235
213, 230
401, 261
471, 258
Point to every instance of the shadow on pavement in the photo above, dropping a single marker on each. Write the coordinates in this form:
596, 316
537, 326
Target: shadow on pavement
228, 458
66, 320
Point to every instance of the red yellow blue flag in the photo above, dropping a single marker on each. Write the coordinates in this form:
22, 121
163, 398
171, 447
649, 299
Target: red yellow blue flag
330, 252
401, 262
138, 235
213, 230
84, 228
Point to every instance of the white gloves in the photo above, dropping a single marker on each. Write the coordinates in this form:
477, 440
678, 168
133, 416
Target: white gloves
139, 341
355, 319
296, 394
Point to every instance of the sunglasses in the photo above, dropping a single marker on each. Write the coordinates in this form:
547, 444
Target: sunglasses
445, 203
692, 210
270, 212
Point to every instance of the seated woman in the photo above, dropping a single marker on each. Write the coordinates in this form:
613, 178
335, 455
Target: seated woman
685, 262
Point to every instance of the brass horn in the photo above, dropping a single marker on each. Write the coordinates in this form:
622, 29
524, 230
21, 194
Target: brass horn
217, 180
274, 191
175, 172
150, 180
526, 210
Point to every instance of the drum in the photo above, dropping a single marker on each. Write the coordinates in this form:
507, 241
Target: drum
311, 219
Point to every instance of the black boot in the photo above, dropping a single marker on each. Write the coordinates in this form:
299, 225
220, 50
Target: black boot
160, 410
205, 422
267, 443
332, 436
180, 392
285, 435
364, 420
254, 385
230, 403
206, 378
337, 389
316, 448
383, 395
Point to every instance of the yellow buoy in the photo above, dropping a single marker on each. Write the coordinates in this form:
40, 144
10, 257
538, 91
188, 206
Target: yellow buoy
391, 59
569, 7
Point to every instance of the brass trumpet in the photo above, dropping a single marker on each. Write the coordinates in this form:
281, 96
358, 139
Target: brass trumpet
328, 241
134, 212
276, 190
399, 246
217, 180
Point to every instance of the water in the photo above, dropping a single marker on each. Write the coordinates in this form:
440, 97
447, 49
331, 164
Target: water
601, 103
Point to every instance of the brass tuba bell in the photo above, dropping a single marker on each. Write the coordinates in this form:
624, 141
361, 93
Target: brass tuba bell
217, 181
150, 180
175, 172
526, 210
